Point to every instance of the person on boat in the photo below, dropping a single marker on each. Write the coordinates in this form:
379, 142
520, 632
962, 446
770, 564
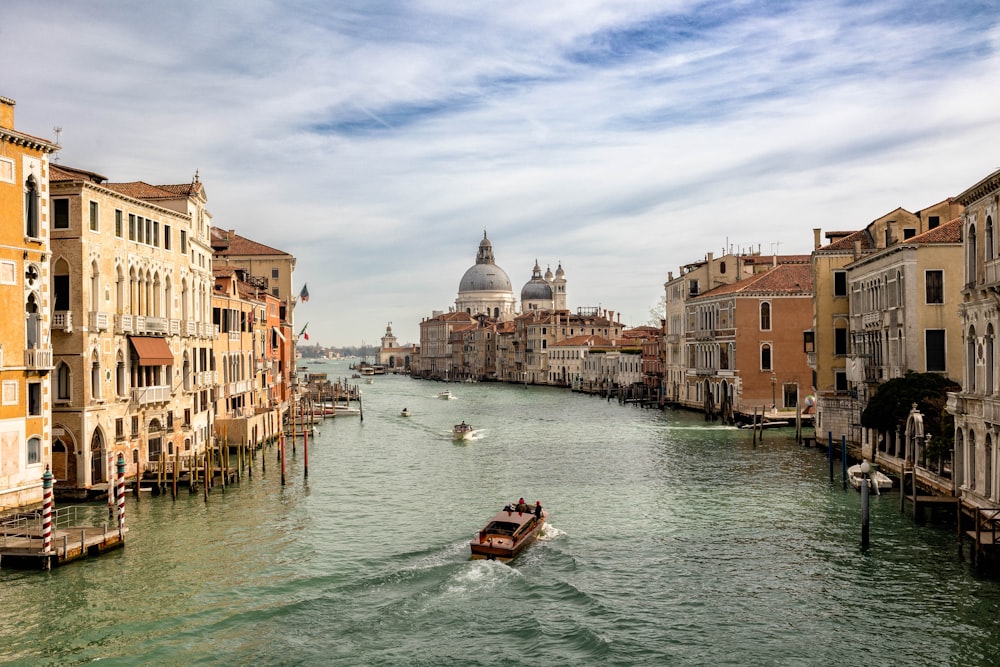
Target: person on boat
538, 509
521, 505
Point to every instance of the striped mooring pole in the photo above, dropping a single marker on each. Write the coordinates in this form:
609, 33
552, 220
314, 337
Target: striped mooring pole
121, 496
47, 510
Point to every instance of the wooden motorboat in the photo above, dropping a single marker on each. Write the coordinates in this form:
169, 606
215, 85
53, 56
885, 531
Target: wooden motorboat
462, 431
446, 394
877, 481
508, 533
405, 412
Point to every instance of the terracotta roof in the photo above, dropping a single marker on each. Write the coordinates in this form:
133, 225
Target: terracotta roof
580, 341
782, 279
949, 232
847, 243
140, 190
60, 172
229, 243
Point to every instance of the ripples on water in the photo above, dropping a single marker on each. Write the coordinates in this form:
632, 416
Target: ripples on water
672, 541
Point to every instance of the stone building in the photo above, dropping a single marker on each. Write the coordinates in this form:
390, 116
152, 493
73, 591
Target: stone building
132, 332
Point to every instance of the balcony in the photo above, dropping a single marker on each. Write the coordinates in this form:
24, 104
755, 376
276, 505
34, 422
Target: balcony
175, 327
98, 321
38, 358
154, 394
234, 335
190, 328
63, 321
124, 324
991, 409
871, 320
153, 325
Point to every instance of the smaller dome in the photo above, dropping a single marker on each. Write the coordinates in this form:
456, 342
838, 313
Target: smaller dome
559, 271
536, 289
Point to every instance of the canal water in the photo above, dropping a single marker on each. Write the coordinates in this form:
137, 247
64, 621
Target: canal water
672, 541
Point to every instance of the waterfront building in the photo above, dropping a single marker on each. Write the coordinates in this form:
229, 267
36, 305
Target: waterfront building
436, 344
694, 279
394, 356
610, 366
744, 342
838, 411
272, 271
25, 340
904, 316
248, 403
977, 406
506, 366
132, 330
485, 287
567, 356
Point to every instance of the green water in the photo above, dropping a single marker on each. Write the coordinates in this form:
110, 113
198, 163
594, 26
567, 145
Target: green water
671, 542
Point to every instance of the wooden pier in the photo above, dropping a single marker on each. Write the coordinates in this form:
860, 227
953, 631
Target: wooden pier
22, 545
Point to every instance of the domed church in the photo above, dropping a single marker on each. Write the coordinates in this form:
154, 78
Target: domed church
544, 293
485, 287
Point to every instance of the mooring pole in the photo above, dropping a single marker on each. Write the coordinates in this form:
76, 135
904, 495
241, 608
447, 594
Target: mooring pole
843, 459
865, 467
121, 496
47, 513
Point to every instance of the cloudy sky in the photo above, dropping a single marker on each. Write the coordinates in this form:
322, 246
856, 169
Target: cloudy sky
376, 141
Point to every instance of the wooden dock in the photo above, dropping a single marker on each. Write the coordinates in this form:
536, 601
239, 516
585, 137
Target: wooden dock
21, 541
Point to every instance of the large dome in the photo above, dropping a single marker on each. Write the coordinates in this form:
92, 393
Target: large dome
485, 275
485, 278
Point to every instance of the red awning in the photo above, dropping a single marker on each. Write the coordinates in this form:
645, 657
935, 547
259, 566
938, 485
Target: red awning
152, 351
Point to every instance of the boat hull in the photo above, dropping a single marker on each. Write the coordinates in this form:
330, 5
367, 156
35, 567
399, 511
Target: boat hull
507, 535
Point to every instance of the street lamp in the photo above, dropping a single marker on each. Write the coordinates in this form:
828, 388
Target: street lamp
774, 384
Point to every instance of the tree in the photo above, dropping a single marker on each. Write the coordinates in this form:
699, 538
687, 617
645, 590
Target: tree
658, 312
889, 408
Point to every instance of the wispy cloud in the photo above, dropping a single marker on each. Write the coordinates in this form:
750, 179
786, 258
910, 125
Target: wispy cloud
376, 140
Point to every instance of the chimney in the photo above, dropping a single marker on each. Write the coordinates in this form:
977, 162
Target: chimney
710, 282
857, 249
816, 238
6, 113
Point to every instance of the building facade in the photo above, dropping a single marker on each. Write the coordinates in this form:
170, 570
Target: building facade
132, 336
25, 345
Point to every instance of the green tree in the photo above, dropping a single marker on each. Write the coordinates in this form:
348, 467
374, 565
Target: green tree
889, 408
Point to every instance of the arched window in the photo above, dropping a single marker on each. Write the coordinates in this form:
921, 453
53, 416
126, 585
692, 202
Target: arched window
60, 286
988, 468
970, 480
31, 208
95, 377
34, 451
63, 378
970, 359
988, 238
970, 267
765, 357
98, 468
765, 316
990, 371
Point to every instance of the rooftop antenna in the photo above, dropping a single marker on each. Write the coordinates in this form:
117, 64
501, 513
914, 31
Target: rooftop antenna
58, 131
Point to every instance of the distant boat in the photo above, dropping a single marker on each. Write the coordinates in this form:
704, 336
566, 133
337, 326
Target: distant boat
370, 381
445, 395
405, 412
462, 431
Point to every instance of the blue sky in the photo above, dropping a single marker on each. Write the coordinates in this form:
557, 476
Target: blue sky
375, 141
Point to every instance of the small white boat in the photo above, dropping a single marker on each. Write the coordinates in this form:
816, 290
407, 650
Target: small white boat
462, 431
445, 395
405, 412
346, 410
370, 381
877, 481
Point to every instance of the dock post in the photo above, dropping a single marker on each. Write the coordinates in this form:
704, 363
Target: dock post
121, 496
829, 451
110, 472
47, 514
865, 467
281, 453
177, 465
843, 459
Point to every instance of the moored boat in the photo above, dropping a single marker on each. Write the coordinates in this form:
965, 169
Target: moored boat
508, 533
877, 481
